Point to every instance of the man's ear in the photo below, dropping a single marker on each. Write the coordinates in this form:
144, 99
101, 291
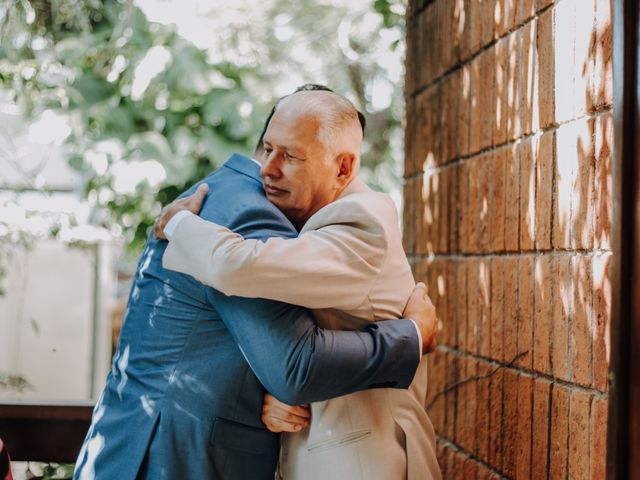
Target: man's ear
347, 164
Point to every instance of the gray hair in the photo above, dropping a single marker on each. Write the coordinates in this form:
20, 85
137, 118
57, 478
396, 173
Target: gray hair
339, 128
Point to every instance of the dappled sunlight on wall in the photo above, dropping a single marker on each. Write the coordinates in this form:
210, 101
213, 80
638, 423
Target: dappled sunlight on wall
508, 211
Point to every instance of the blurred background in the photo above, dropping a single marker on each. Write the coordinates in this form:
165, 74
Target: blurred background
108, 110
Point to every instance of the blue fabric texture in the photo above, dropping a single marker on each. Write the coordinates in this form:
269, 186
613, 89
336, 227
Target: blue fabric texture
184, 395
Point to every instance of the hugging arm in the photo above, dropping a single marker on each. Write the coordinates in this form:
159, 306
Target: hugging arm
298, 362
345, 257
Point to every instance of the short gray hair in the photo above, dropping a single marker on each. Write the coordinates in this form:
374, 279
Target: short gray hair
339, 127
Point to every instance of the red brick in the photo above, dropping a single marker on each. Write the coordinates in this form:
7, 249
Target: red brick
418, 213
464, 211
581, 321
470, 396
511, 221
431, 128
510, 437
408, 218
484, 473
450, 319
486, 101
457, 13
514, 85
602, 318
484, 307
527, 195
453, 408
525, 311
543, 322
602, 84
546, 72
496, 387
603, 182
461, 304
598, 454
428, 217
497, 308
443, 209
437, 383
488, 9
510, 332
526, 10
451, 128
434, 240
524, 419
566, 167
563, 44
444, 284
474, 205
470, 470
464, 110
583, 56
483, 406
477, 113
540, 434
529, 114
454, 208
423, 131
579, 442
559, 432
428, 53
484, 186
445, 55
562, 300
501, 94
409, 136
451, 463
582, 199
544, 161
505, 15
472, 28
544, 3
499, 202
473, 305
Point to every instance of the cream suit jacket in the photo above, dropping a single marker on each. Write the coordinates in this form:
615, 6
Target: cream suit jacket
349, 257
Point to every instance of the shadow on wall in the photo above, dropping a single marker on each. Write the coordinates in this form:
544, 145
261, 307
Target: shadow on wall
508, 219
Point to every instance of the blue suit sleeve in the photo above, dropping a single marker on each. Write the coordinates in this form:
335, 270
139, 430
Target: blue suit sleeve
297, 361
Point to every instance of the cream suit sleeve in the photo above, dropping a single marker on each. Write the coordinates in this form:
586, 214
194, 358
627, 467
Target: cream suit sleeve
333, 263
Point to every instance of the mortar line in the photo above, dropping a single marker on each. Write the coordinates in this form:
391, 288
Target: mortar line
526, 371
507, 144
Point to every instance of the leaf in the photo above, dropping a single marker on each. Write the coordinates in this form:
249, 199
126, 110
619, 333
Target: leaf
149, 146
72, 50
92, 88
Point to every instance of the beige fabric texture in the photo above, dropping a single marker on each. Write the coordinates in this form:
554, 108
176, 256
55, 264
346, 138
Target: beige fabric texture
347, 265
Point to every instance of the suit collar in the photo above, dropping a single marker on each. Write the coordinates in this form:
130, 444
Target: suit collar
244, 165
356, 186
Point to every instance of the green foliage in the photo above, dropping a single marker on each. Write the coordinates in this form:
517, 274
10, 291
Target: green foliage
392, 12
151, 113
87, 59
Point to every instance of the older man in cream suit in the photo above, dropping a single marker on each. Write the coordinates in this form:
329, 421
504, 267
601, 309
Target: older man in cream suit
347, 264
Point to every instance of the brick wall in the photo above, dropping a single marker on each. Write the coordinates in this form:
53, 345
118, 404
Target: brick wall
508, 204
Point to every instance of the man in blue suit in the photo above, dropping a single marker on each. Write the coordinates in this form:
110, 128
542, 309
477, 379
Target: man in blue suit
184, 395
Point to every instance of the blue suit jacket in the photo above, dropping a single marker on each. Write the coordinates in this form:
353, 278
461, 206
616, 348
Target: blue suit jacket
184, 395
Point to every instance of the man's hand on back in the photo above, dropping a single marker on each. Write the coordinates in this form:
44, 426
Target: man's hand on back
280, 417
420, 309
192, 203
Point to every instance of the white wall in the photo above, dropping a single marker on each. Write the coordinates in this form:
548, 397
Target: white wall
57, 298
